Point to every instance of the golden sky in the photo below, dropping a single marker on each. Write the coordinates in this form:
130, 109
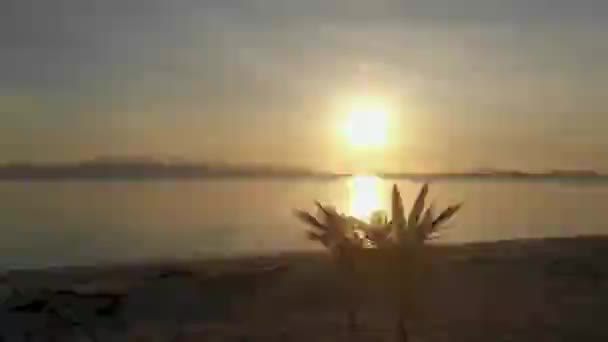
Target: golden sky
466, 83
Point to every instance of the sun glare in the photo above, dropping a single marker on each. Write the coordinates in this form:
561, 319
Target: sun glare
367, 124
366, 196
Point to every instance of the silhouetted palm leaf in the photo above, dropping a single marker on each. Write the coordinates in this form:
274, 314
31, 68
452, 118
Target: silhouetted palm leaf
324, 210
418, 207
322, 238
426, 225
311, 220
334, 221
446, 214
398, 221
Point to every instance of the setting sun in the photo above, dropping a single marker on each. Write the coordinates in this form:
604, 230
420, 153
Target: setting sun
367, 124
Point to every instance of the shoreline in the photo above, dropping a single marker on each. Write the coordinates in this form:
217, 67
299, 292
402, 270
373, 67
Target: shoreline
526, 290
496, 245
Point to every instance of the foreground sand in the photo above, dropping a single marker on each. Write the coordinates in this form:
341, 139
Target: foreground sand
537, 290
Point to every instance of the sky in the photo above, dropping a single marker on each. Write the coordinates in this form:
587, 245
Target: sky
471, 83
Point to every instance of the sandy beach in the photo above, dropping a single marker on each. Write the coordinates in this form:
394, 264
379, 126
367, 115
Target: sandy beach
526, 290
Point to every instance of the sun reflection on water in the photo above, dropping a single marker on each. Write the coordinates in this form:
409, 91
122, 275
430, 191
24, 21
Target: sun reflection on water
366, 195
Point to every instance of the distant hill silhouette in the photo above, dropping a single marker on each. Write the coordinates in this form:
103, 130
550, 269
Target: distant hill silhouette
111, 168
144, 169
502, 174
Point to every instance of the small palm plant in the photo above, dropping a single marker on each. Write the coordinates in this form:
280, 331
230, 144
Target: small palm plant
394, 247
342, 236
403, 246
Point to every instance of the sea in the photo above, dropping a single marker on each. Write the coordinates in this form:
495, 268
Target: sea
69, 223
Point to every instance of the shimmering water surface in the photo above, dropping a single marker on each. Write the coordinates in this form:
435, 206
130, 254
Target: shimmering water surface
67, 223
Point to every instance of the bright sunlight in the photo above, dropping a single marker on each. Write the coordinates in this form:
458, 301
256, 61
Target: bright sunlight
366, 196
367, 124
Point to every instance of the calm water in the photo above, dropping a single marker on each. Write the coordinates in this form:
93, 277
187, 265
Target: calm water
46, 224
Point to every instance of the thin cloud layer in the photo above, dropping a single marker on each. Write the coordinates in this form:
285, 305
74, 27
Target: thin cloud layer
187, 76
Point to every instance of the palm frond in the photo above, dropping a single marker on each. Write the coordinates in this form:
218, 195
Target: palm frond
311, 220
446, 214
340, 229
335, 230
398, 222
417, 207
330, 213
325, 211
426, 225
397, 212
322, 238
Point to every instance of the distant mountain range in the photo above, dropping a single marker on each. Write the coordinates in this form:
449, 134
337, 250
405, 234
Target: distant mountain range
503, 174
146, 168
